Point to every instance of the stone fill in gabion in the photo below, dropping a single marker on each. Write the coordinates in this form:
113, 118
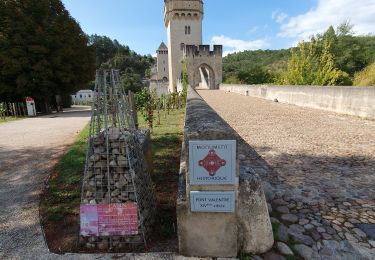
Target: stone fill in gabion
118, 188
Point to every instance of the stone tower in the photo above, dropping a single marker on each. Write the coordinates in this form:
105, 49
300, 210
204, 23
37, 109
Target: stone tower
183, 20
162, 62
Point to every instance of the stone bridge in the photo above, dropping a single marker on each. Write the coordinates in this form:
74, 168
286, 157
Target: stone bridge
318, 169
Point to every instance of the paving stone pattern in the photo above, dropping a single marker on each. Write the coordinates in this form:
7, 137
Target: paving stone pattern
318, 170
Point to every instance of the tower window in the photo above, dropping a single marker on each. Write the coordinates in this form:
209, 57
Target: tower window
187, 30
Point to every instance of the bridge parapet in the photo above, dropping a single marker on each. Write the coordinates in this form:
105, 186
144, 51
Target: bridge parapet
220, 210
352, 100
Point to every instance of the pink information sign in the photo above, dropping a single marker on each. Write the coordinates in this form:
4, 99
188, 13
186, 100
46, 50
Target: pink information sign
109, 219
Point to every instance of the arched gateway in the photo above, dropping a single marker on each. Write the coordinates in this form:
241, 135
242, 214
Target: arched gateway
204, 67
204, 77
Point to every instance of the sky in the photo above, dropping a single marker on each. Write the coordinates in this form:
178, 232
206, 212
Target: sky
236, 24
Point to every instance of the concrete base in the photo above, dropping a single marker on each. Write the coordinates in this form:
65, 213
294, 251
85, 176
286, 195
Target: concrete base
206, 234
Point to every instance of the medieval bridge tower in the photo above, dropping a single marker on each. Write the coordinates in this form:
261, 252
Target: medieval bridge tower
183, 20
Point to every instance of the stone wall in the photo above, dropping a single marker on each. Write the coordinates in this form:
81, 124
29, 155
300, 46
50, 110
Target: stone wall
161, 87
210, 234
356, 101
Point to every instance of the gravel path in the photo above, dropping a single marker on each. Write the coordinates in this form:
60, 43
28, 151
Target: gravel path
321, 166
29, 149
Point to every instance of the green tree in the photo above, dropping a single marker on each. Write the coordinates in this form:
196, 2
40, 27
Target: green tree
132, 66
106, 49
312, 65
146, 103
131, 81
326, 73
43, 51
345, 29
351, 53
300, 66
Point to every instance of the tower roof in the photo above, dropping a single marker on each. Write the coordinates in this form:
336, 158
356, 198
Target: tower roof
162, 46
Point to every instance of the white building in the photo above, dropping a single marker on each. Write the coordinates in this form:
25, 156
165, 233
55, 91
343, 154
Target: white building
85, 95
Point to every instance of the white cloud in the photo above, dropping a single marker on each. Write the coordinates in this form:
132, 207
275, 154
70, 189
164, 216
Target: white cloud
331, 12
278, 16
254, 29
234, 45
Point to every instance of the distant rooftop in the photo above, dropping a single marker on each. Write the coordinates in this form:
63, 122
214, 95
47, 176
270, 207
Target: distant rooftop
162, 46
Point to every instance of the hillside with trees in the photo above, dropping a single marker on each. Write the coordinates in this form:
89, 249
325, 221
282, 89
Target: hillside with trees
110, 54
365, 77
333, 58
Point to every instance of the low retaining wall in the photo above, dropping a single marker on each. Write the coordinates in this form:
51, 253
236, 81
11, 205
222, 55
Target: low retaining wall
356, 101
160, 87
245, 224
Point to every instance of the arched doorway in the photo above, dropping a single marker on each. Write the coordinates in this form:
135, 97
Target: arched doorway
204, 77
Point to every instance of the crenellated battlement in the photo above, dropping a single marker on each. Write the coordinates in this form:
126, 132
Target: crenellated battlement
183, 10
201, 50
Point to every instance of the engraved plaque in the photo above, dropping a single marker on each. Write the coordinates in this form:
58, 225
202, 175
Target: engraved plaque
212, 162
212, 201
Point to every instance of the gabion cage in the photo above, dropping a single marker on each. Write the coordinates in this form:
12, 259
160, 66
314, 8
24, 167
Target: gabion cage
117, 198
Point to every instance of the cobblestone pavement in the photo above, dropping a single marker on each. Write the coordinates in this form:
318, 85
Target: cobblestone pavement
318, 170
29, 149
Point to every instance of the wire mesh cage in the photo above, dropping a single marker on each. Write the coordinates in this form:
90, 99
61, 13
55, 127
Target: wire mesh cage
117, 198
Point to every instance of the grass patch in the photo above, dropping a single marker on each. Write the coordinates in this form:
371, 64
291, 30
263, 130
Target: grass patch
10, 119
275, 229
166, 141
